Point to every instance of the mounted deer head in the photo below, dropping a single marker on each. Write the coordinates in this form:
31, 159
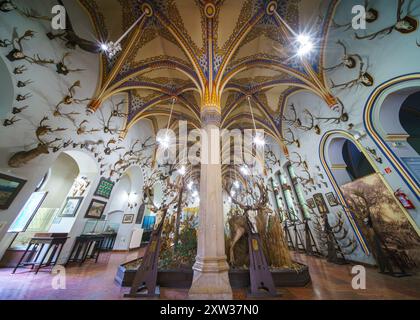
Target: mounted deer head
291, 141
364, 78
299, 162
405, 24
371, 16
17, 52
347, 60
62, 68
294, 121
312, 125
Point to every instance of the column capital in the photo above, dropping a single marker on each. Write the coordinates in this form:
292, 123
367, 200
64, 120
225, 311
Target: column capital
210, 115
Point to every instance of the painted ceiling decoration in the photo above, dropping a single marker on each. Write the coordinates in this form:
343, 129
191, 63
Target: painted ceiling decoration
191, 51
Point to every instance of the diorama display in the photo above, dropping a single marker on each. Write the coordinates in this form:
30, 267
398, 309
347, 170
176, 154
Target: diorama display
96, 209
71, 206
9, 189
391, 237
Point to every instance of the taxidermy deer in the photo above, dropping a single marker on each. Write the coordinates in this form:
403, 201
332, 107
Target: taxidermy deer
347, 60
17, 51
371, 16
241, 223
21, 158
72, 39
62, 68
405, 24
364, 78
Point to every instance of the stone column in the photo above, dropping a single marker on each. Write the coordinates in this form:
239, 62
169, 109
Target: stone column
211, 279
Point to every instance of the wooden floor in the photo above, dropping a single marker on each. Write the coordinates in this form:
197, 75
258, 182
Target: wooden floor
96, 281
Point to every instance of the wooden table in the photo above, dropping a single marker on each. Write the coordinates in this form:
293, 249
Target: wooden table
42, 251
86, 246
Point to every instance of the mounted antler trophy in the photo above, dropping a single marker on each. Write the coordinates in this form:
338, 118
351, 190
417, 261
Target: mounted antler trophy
343, 117
62, 68
291, 141
17, 52
371, 16
72, 39
405, 24
347, 60
364, 78
294, 121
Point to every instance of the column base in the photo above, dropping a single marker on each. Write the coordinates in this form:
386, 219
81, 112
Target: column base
211, 280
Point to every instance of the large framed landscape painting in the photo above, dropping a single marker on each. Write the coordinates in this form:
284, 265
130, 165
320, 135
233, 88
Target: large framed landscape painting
9, 189
385, 226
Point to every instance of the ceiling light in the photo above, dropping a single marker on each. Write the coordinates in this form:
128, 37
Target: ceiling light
164, 141
182, 170
236, 184
190, 185
305, 45
244, 170
259, 141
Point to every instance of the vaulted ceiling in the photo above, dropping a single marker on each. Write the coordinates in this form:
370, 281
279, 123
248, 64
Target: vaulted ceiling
233, 48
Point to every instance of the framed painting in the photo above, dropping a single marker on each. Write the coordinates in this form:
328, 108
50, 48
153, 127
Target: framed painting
128, 218
104, 188
320, 203
311, 203
96, 209
71, 207
9, 189
332, 200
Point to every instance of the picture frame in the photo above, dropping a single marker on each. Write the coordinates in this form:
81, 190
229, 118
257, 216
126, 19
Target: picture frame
104, 188
332, 200
96, 209
321, 204
70, 208
128, 219
9, 189
311, 203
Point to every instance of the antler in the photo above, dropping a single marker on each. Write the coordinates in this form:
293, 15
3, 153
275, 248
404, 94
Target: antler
293, 140
295, 120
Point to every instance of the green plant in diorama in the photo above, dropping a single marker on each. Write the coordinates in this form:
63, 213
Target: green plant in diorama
183, 256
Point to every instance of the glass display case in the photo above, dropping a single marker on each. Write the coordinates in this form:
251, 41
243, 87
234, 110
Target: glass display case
95, 226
